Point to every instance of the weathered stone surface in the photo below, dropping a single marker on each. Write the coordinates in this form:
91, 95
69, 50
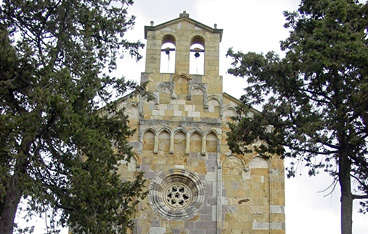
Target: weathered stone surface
157, 230
184, 129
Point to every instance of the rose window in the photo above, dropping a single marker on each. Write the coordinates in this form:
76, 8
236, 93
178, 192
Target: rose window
176, 194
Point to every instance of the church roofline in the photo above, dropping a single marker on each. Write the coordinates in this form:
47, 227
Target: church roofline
183, 16
238, 102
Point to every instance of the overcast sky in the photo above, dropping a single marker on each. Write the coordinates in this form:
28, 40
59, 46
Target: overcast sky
250, 25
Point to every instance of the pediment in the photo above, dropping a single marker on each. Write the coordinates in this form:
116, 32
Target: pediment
184, 17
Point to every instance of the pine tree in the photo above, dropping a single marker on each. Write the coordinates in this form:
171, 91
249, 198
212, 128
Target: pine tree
55, 145
314, 99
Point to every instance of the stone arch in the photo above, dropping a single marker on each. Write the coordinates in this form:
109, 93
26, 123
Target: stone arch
126, 168
180, 129
165, 87
138, 159
168, 54
258, 162
233, 161
153, 103
214, 131
197, 40
212, 141
180, 139
214, 104
166, 92
198, 95
260, 182
148, 141
233, 175
197, 53
214, 98
198, 87
131, 164
228, 112
196, 141
164, 137
239, 157
198, 92
181, 83
165, 128
198, 130
168, 38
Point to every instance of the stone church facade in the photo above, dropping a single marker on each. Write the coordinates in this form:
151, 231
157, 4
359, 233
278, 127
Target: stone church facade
196, 185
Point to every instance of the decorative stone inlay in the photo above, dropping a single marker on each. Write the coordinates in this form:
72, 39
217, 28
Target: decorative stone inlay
176, 194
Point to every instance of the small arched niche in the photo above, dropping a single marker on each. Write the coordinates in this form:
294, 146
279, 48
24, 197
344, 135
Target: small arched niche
211, 142
164, 141
168, 52
179, 142
198, 96
195, 142
258, 163
126, 166
148, 140
196, 61
214, 105
231, 167
228, 113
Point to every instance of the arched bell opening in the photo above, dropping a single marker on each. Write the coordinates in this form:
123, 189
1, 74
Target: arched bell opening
168, 54
197, 53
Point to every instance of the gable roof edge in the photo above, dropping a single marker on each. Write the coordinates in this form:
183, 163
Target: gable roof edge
183, 17
237, 101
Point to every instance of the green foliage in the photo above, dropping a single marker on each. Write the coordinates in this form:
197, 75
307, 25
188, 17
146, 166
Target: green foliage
54, 64
315, 98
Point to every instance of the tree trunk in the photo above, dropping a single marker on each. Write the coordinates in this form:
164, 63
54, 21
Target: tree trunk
10, 206
346, 196
13, 196
346, 212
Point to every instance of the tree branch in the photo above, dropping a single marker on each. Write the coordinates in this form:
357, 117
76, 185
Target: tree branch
360, 196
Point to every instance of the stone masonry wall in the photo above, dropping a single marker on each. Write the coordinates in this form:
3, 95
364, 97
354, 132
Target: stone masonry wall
196, 185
